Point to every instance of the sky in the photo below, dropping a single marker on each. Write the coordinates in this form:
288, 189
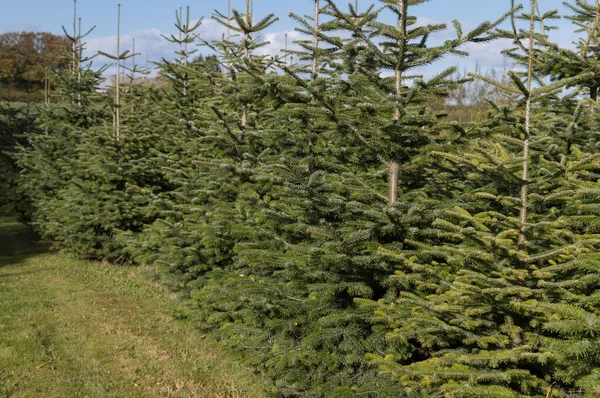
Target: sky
147, 20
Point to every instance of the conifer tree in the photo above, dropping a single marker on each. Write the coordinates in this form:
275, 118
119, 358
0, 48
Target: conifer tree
305, 250
208, 159
46, 162
14, 121
324, 222
115, 179
86, 179
493, 299
561, 62
184, 40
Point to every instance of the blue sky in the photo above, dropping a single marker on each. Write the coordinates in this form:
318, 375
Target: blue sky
49, 15
146, 20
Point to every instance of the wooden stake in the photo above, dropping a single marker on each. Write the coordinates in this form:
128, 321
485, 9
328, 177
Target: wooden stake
393, 170
286, 49
186, 28
315, 41
179, 18
74, 45
525, 171
228, 20
393, 167
118, 85
146, 72
79, 57
133, 63
247, 38
228, 37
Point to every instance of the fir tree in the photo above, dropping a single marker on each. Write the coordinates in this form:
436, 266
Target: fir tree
560, 62
306, 248
14, 121
46, 160
288, 200
493, 299
86, 180
208, 156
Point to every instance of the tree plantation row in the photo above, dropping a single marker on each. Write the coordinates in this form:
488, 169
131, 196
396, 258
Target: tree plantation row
322, 219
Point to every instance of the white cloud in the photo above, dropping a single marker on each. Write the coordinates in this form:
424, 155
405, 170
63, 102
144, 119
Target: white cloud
148, 42
276, 42
437, 37
485, 56
422, 21
151, 43
488, 54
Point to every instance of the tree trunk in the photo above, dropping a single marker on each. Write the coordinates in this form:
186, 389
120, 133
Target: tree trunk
393, 167
393, 170
315, 40
526, 143
247, 39
118, 85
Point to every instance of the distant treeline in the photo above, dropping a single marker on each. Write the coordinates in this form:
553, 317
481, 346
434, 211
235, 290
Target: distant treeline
28, 62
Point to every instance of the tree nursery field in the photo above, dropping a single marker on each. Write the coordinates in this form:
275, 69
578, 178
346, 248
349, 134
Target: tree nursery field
318, 214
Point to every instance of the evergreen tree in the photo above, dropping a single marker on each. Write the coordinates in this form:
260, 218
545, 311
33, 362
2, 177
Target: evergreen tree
560, 62
14, 121
215, 123
46, 161
493, 300
320, 217
85, 178
307, 246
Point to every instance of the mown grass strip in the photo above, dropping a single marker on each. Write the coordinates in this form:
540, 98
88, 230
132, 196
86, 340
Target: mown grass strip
71, 328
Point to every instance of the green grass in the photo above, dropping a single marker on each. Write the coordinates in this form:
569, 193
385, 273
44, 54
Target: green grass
71, 328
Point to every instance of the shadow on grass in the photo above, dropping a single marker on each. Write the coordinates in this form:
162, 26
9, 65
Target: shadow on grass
17, 242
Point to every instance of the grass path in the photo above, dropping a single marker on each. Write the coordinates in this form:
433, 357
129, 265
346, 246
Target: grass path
71, 328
